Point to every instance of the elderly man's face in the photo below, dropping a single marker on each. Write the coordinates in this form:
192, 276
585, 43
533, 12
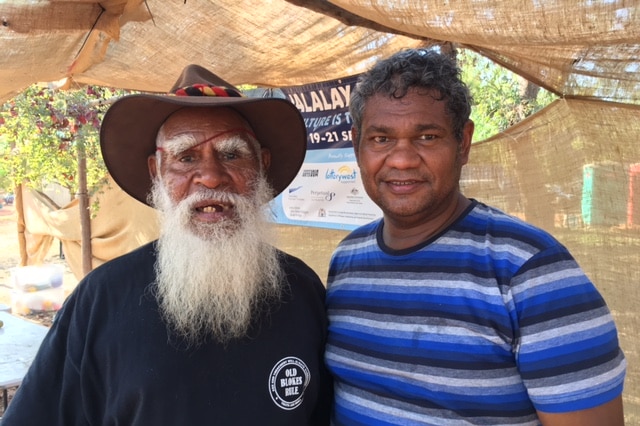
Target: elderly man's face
211, 148
215, 264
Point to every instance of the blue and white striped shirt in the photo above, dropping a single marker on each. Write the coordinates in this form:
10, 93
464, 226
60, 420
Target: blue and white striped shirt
483, 324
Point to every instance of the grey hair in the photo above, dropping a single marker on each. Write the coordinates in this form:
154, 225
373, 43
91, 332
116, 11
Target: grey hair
414, 68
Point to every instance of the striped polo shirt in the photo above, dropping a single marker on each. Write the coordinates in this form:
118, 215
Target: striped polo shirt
483, 324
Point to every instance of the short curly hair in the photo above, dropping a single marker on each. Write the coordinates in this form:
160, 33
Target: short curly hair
414, 68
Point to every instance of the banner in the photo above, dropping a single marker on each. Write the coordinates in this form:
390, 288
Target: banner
328, 191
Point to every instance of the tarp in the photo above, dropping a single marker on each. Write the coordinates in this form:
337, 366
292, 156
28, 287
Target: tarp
119, 225
573, 47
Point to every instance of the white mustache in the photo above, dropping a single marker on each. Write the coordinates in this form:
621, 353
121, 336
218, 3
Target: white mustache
184, 208
206, 194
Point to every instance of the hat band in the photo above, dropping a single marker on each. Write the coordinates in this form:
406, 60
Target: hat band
207, 90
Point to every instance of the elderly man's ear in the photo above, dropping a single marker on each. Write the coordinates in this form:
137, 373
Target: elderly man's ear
266, 158
152, 165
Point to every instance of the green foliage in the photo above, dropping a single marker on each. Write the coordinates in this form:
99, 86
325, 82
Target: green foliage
499, 101
42, 131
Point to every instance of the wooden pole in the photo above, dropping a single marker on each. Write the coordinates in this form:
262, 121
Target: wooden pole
83, 204
22, 240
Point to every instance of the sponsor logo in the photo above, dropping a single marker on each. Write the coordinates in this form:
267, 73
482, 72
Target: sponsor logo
343, 174
322, 195
294, 189
287, 382
310, 173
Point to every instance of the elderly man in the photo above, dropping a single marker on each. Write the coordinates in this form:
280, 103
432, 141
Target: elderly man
210, 324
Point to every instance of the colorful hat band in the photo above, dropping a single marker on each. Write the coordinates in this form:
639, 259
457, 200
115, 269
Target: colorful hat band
207, 90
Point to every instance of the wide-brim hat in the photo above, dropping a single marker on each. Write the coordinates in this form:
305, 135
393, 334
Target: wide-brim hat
129, 128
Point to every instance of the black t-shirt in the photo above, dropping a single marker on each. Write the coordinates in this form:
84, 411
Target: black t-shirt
109, 360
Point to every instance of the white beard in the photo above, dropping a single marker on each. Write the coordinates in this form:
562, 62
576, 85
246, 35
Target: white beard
213, 279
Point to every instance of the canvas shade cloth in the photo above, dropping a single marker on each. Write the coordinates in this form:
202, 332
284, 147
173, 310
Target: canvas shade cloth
573, 47
573, 168
121, 224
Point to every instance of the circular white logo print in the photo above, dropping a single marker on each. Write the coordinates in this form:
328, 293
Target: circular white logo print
287, 382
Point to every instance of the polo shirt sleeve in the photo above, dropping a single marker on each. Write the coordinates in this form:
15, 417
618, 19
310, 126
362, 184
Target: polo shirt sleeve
567, 348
